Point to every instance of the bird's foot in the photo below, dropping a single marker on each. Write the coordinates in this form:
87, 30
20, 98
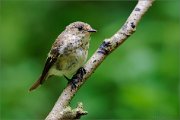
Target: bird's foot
73, 84
80, 73
78, 77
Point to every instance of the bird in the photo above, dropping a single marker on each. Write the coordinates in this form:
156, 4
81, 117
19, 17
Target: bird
68, 53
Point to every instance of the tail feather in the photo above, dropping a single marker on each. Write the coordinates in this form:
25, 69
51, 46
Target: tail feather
37, 83
49, 62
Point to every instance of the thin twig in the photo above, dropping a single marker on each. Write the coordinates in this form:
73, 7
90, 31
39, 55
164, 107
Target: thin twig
97, 58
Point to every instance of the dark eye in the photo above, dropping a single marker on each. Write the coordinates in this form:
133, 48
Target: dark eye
80, 28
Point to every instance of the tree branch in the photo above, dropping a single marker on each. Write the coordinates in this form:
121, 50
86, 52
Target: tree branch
61, 108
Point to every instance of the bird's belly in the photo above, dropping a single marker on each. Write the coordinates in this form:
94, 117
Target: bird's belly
68, 64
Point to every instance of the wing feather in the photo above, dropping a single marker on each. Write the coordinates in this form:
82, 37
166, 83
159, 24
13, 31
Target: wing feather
48, 64
52, 57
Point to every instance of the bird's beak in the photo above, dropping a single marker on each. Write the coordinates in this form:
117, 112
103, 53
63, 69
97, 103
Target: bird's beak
92, 30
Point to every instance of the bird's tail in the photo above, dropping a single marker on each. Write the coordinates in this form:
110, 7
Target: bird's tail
37, 83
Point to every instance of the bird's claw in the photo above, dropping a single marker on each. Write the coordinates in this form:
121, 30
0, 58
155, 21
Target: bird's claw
78, 77
80, 73
73, 84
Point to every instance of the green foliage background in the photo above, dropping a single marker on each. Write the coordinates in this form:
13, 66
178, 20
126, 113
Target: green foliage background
140, 80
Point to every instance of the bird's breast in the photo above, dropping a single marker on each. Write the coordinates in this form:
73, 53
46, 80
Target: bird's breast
69, 63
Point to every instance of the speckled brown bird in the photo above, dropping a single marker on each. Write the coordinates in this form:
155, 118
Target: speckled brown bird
68, 53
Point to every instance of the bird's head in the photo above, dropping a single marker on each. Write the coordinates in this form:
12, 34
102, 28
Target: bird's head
80, 28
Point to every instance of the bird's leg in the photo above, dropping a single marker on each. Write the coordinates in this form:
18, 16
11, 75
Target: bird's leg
73, 85
67, 79
77, 77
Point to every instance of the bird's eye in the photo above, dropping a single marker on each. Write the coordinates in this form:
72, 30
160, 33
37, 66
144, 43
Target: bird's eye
80, 28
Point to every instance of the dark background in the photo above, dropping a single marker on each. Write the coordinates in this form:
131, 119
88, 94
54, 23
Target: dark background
140, 80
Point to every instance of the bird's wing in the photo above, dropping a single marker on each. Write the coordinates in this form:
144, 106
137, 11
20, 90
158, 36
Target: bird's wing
52, 57
48, 64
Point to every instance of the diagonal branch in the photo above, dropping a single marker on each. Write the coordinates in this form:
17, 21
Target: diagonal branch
97, 58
